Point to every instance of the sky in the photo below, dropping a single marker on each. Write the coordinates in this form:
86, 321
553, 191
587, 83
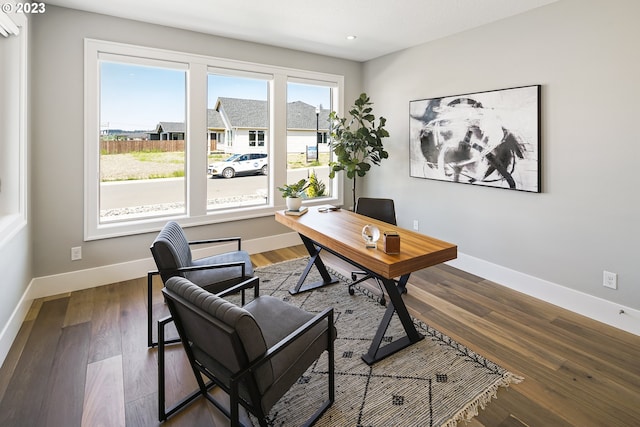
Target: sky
134, 97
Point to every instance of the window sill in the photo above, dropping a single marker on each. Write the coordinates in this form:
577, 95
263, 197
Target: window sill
149, 225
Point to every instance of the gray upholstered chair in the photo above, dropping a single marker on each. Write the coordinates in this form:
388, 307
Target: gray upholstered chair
382, 210
254, 353
172, 253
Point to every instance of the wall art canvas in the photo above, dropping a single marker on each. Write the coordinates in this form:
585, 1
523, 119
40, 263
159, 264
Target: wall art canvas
486, 138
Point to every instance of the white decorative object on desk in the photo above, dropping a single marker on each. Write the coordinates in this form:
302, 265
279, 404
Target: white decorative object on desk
370, 234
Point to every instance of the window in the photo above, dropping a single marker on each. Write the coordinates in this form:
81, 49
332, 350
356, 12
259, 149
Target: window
13, 126
308, 154
238, 103
142, 139
170, 135
256, 138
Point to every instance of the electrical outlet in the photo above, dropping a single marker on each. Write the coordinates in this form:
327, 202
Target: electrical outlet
76, 253
609, 280
416, 225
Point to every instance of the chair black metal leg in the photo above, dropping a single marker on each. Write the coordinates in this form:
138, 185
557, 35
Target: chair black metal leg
331, 380
233, 404
149, 309
164, 413
150, 342
331, 355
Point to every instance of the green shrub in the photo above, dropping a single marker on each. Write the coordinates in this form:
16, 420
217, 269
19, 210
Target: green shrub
316, 187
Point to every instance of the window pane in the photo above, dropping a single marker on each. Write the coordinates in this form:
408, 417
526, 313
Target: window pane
238, 122
308, 148
142, 141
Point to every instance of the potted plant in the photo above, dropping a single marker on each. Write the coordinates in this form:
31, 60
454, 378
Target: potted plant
357, 143
293, 194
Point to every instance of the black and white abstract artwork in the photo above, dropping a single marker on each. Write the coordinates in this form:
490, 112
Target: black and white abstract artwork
486, 138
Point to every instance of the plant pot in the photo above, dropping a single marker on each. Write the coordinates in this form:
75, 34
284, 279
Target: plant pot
294, 203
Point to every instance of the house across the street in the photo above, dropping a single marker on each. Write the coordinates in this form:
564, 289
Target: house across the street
241, 125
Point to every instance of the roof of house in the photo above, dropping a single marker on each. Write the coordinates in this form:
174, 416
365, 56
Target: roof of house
253, 114
301, 115
170, 127
214, 120
244, 113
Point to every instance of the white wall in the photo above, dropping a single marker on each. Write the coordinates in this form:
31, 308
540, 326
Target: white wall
15, 232
585, 55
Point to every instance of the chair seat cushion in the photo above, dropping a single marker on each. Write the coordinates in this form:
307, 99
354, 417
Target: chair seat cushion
220, 277
278, 319
230, 314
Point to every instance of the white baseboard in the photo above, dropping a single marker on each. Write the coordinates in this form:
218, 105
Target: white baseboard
99, 276
593, 307
11, 329
56, 284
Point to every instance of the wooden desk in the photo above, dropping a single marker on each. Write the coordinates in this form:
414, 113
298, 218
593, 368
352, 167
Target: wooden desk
339, 232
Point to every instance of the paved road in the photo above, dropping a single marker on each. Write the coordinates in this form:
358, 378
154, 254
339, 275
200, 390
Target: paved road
116, 195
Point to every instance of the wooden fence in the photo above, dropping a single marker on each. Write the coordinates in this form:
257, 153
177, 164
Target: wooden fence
120, 147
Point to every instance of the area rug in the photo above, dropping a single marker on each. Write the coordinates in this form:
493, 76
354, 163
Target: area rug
435, 382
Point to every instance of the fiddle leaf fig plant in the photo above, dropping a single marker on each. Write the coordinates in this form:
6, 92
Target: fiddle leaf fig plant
357, 141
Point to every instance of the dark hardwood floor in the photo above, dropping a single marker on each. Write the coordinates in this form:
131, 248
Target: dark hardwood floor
81, 358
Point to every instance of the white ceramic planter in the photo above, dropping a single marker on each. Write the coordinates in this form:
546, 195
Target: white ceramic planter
294, 203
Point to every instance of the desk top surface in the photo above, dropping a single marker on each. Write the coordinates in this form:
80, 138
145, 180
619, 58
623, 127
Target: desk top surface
341, 231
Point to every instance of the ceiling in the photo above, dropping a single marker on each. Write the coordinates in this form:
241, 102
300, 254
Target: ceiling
322, 27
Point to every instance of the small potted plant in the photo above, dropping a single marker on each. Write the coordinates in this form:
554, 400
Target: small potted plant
293, 194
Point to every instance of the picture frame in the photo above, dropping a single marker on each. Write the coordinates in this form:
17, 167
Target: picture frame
489, 138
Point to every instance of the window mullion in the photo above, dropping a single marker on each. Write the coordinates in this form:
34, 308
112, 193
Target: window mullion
196, 140
278, 140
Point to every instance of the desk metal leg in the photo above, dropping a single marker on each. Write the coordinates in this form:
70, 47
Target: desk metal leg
314, 254
396, 305
402, 284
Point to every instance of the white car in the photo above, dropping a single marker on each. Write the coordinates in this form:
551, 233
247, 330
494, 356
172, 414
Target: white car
240, 164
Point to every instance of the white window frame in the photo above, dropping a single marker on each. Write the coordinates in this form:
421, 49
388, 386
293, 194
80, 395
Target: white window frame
196, 142
14, 128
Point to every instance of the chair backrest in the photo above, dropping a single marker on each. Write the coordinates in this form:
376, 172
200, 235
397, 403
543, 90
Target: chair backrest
222, 337
171, 250
380, 209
